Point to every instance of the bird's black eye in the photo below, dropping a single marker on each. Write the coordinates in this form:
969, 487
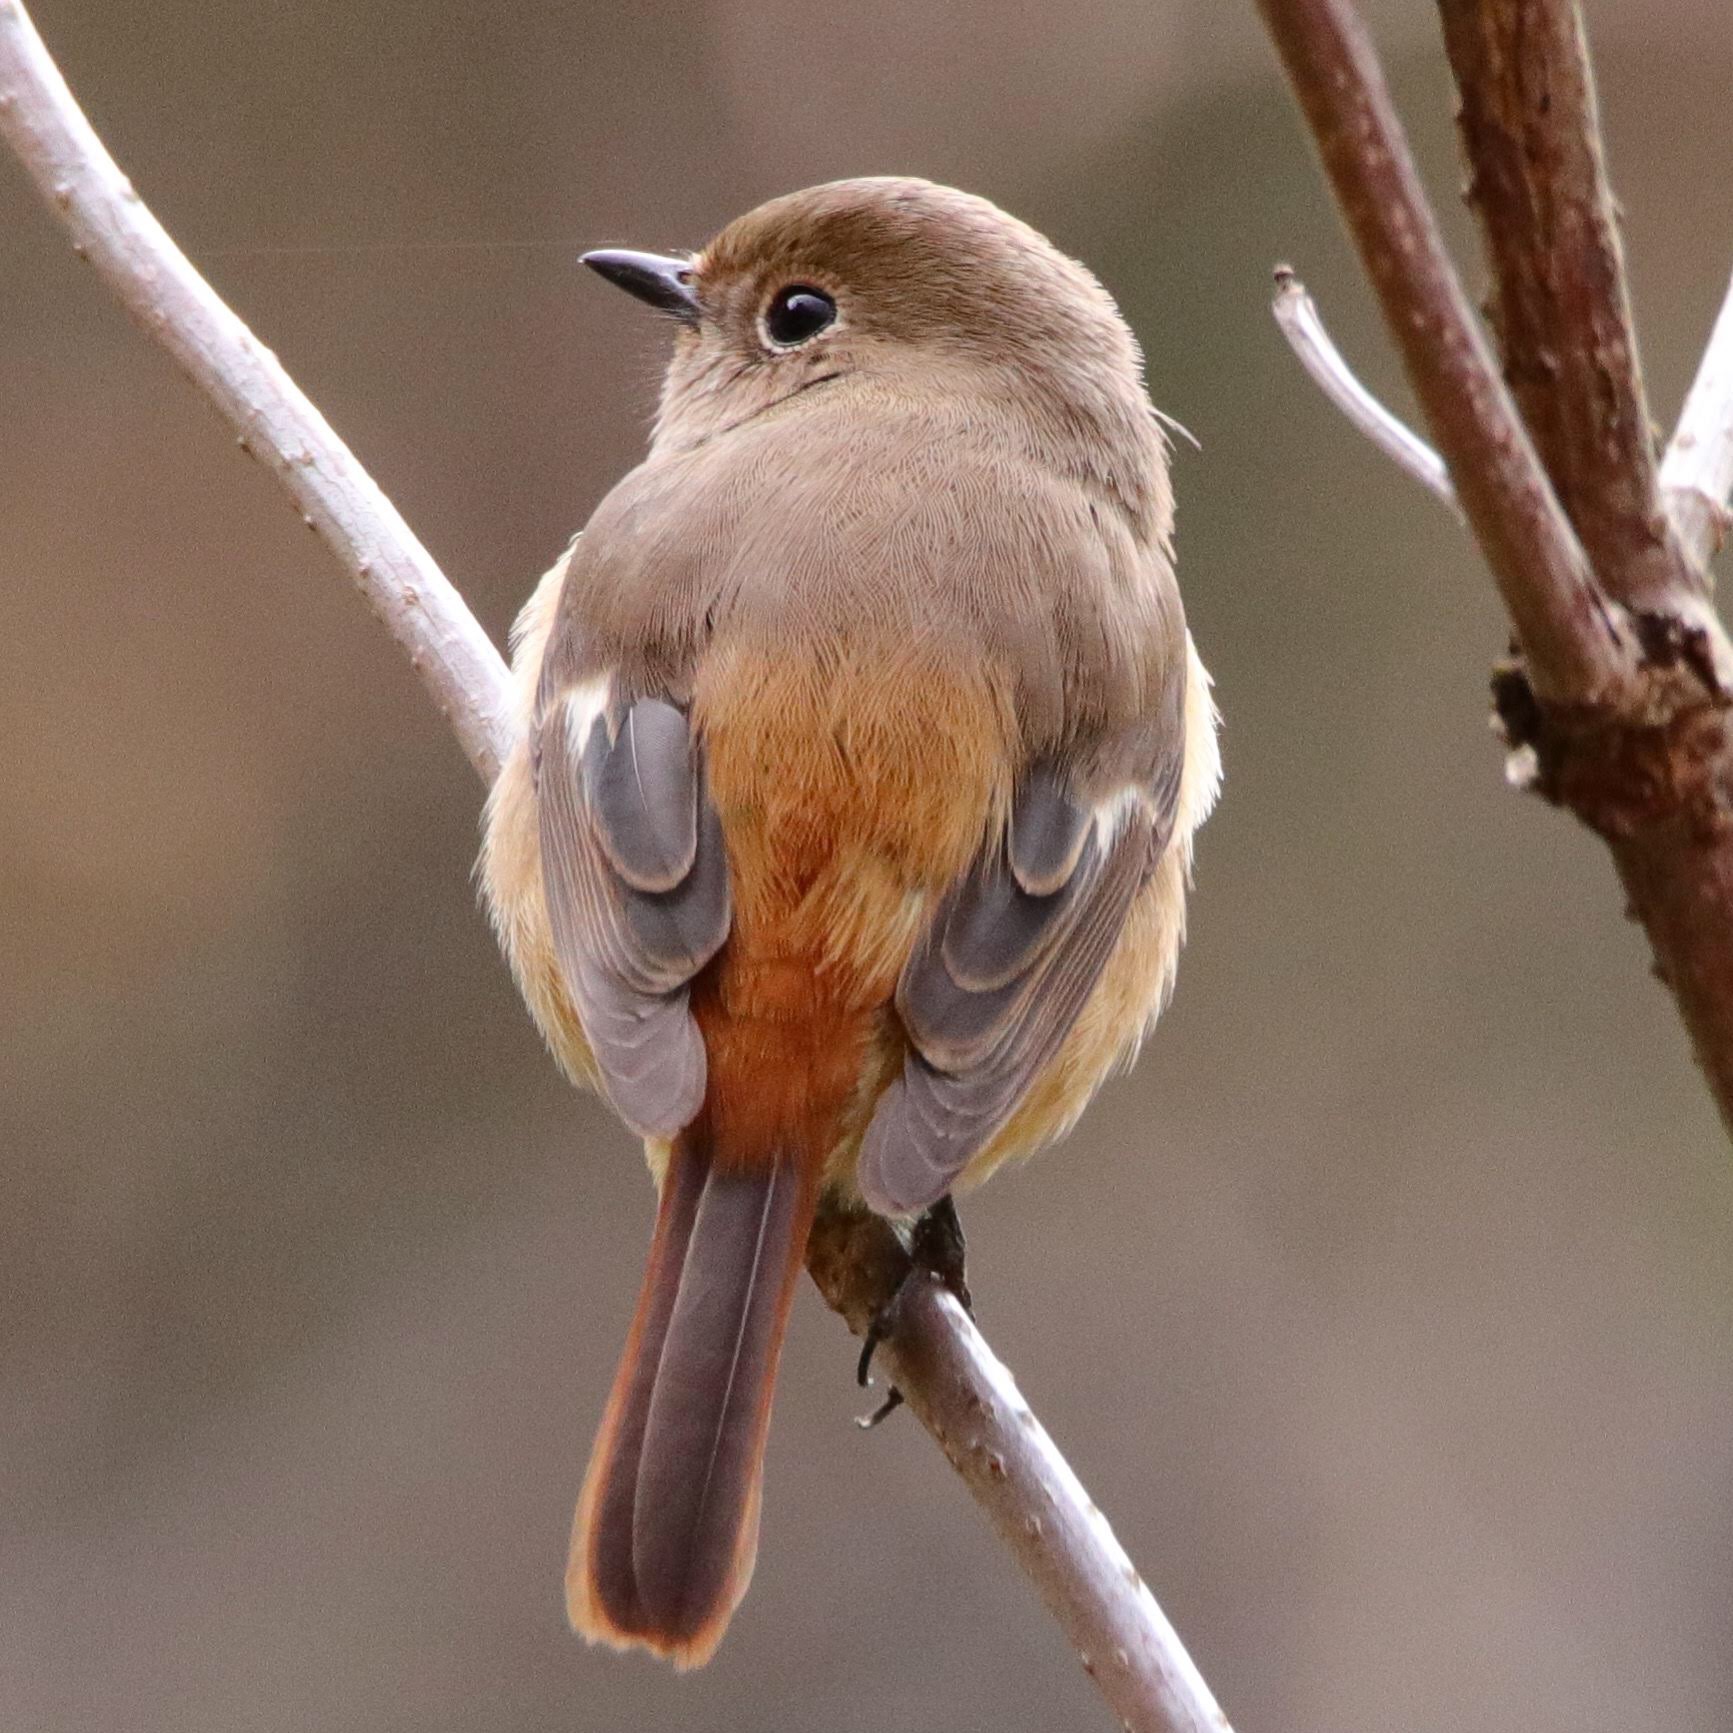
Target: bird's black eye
797, 314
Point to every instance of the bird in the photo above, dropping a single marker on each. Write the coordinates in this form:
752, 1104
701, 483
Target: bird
845, 847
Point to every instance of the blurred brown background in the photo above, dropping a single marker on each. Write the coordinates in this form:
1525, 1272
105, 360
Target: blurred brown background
1386, 1308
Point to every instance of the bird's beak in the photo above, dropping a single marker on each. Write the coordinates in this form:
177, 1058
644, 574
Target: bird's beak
665, 283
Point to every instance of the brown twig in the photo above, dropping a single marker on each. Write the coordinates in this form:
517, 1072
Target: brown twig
952, 1380
1628, 729
1576, 645
1560, 306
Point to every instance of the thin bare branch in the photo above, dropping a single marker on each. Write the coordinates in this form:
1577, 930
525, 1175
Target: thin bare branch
1697, 472
1303, 326
171, 302
968, 1400
952, 1380
1575, 644
1538, 183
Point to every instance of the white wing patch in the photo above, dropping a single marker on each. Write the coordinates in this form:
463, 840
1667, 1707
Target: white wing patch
584, 703
1117, 811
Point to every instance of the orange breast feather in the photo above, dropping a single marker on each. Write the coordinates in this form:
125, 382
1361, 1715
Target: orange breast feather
852, 788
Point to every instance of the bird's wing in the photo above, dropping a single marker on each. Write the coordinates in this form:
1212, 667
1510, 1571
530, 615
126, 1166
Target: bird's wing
1007, 963
637, 889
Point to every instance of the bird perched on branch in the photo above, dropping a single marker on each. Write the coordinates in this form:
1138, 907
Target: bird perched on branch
846, 846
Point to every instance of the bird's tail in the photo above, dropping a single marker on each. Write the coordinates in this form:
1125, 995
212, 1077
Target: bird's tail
667, 1526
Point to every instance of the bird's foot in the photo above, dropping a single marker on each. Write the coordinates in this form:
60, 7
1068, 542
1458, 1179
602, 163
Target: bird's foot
937, 1253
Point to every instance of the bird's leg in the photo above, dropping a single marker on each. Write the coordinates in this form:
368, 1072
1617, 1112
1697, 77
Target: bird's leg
937, 1253
938, 1247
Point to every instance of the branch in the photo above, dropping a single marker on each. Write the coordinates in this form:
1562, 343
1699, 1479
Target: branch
271, 416
1628, 729
1538, 183
1297, 315
953, 1382
966, 1398
1574, 643
1697, 472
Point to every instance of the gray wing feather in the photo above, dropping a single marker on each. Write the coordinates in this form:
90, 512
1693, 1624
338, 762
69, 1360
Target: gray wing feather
638, 899
1047, 832
996, 984
643, 789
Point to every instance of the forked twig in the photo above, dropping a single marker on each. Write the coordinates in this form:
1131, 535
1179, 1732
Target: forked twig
1574, 643
1619, 706
955, 1384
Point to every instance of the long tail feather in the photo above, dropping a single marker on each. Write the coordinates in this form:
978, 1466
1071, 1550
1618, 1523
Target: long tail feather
667, 1527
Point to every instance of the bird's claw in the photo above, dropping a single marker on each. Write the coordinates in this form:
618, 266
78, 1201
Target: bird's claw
937, 1253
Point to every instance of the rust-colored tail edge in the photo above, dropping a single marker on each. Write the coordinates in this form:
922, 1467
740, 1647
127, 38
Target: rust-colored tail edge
666, 1532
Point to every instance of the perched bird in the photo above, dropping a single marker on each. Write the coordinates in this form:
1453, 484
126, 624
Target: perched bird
846, 848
